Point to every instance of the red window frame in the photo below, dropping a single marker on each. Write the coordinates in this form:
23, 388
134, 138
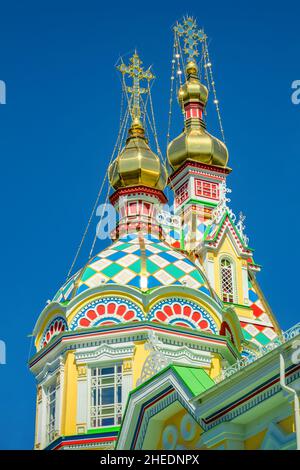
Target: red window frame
146, 208
182, 193
133, 208
207, 189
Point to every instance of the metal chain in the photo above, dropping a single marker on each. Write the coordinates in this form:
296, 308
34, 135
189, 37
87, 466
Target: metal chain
93, 209
177, 56
119, 141
153, 121
171, 96
180, 56
208, 65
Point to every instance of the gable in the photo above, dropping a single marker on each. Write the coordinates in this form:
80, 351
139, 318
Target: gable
160, 413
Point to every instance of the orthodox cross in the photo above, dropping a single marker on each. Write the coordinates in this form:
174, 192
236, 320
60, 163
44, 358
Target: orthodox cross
137, 73
191, 34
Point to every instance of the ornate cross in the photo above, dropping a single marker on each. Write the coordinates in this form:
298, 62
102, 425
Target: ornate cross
137, 73
192, 35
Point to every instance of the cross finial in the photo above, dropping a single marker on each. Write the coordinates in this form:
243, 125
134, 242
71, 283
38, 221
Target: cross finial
192, 35
137, 73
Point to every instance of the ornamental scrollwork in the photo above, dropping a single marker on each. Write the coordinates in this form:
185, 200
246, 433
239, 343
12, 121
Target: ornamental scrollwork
156, 361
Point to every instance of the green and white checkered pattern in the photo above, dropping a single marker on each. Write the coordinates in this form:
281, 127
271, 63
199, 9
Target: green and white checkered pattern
142, 262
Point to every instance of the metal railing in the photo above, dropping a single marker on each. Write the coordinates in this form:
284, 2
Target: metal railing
245, 361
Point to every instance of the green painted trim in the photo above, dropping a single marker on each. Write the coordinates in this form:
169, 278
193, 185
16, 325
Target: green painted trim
103, 430
202, 203
235, 229
247, 307
182, 245
206, 232
190, 379
195, 378
256, 265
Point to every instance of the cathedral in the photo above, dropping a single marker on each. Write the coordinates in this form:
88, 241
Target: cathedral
164, 340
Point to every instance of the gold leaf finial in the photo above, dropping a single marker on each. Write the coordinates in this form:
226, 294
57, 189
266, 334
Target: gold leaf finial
135, 71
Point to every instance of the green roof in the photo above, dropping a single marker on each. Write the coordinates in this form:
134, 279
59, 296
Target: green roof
196, 379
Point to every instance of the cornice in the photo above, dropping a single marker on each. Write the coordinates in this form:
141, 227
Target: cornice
203, 166
138, 190
136, 331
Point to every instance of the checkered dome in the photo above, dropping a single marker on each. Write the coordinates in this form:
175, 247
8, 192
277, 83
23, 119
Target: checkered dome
141, 262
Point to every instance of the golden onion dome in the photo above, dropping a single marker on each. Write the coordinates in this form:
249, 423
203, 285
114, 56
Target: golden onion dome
192, 89
137, 164
195, 143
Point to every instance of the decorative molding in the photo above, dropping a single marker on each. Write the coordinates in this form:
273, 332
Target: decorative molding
193, 166
39, 393
104, 349
127, 365
156, 361
201, 359
276, 439
139, 189
82, 371
110, 308
127, 333
48, 370
169, 219
81, 428
55, 326
249, 401
58, 379
184, 312
106, 445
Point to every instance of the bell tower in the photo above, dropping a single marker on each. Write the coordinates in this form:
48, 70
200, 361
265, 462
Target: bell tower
211, 234
198, 159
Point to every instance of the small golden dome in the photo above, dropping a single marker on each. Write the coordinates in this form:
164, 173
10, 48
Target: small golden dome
192, 89
198, 145
195, 143
137, 164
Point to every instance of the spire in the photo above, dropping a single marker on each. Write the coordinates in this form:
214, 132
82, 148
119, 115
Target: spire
136, 164
195, 143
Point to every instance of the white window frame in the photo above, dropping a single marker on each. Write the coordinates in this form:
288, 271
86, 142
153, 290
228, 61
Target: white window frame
51, 423
95, 412
233, 278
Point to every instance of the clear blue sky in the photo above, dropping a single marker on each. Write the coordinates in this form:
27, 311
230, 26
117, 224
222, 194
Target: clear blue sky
60, 123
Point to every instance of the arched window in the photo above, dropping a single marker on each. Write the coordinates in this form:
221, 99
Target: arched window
227, 280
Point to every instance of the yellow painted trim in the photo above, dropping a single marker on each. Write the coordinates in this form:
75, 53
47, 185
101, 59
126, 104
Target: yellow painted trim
244, 312
69, 409
140, 355
215, 368
226, 249
287, 424
46, 320
254, 442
